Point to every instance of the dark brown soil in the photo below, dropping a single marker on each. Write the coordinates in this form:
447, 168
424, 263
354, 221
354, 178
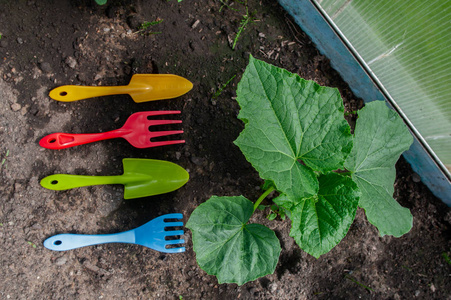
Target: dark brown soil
45, 44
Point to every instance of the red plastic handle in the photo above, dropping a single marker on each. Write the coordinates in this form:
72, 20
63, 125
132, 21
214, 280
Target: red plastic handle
65, 140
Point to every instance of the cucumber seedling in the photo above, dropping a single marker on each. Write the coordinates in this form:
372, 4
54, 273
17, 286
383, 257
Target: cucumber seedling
296, 137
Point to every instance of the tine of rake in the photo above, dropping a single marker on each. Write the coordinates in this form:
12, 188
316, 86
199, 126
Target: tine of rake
165, 143
175, 250
174, 242
176, 216
165, 133
163, 112
163, 122
173, 224
174, 232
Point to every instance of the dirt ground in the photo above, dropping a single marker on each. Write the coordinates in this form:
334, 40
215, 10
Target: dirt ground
45, 44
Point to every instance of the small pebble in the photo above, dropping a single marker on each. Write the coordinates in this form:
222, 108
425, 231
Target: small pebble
197, 160
61, 261
273, 287
20, 40
195, 24
71, 62
16, 107
416, 177
45, 67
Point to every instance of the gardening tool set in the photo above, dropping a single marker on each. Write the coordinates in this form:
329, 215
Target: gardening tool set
141, 177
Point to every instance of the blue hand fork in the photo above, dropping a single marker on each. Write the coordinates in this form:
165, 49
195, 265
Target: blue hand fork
152, 235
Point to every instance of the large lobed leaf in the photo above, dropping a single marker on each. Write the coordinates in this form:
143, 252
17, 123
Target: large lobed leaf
380, 138
320, 222
288, 120
229, 248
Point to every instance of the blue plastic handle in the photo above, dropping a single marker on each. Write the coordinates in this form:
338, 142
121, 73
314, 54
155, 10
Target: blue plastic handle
153, 235
68, 241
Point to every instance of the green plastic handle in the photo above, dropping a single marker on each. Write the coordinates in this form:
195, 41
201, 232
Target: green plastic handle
60, 182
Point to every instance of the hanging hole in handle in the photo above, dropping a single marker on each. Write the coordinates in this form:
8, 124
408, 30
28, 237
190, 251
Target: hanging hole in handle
63, 93
57, 243
51, 141
54, 182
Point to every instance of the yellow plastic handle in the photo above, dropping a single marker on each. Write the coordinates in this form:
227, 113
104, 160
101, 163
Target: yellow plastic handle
69, 93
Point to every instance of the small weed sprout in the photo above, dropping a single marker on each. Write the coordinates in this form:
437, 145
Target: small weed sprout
219, 91
446, 257
358, 283
246, 19
3, 164
226, 4
144, 27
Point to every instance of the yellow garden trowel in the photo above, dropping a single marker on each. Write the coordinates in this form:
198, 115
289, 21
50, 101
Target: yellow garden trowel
142, 88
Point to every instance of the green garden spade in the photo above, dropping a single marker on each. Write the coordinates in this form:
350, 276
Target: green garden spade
141, 178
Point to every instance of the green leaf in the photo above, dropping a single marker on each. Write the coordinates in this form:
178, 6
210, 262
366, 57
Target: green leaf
229, 248
380, 138
101, 2
271, 216
282, 214
320, 222
289, 120
285, 202
261, 207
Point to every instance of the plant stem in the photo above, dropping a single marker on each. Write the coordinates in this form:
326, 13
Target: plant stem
216, 95
362, 285
263, 196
